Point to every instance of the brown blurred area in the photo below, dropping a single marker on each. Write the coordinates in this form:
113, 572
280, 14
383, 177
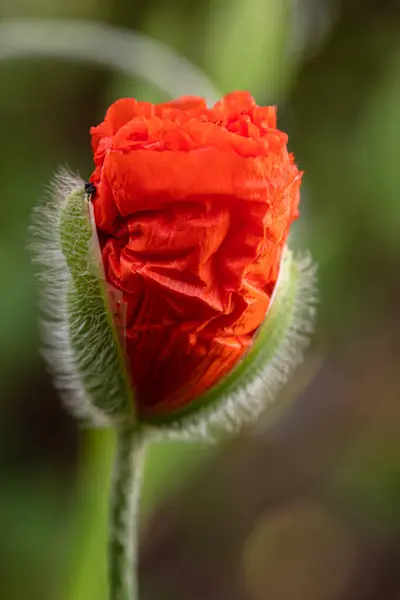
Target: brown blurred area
307, 504
305, 508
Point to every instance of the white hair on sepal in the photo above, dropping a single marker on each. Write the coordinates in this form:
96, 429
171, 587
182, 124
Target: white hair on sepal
243, 402
55, 280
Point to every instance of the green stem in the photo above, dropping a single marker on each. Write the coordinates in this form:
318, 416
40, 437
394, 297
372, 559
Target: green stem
125, 495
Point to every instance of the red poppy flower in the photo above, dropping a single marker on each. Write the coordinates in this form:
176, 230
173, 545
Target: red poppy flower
193, 207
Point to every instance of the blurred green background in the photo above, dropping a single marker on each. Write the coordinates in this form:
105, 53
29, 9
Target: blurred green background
305, 506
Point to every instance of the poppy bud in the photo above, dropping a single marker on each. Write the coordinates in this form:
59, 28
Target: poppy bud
173, 297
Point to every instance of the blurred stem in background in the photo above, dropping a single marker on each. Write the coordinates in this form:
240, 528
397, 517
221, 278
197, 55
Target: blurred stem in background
90, 42
86, 574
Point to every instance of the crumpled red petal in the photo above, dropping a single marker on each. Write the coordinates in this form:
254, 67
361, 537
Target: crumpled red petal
193, 207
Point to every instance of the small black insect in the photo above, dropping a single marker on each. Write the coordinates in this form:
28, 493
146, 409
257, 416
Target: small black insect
90, 189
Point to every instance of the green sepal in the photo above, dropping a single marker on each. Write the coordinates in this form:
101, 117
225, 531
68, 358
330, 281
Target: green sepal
93, 337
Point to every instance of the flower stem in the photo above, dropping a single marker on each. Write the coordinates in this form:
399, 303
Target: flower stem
125, 495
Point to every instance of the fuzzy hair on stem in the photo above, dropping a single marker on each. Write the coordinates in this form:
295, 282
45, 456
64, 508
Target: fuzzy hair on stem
124, 515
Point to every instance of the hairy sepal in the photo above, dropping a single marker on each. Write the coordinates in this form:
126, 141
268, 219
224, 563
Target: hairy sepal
82, 344
278, 349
